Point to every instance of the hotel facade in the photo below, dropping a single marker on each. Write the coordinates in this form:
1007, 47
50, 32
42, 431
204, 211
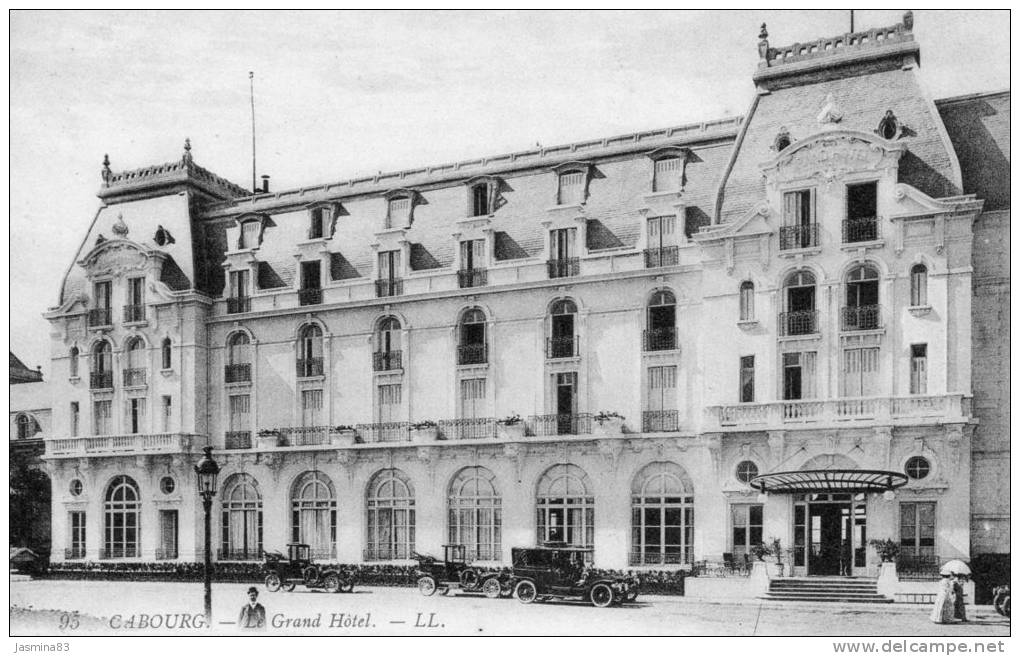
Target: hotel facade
667, 346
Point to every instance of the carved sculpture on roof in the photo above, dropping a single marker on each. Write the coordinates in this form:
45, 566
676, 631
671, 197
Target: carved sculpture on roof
908, 20
187, 152
106, 173
763, 44
100, 239
830, 114
782, 140
120, 228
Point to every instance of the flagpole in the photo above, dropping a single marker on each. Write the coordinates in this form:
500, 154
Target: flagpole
251, 79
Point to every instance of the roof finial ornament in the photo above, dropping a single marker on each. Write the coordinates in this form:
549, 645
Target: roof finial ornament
120, 228
106, 173
830, 113
187, 151
763, 44
908, 20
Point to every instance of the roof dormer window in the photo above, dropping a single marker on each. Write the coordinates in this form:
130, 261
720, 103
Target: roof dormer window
668, 171
571, 189
480, 205
250, 234
398, 214
320, 222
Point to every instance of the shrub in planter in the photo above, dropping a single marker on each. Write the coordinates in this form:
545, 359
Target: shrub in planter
887, 549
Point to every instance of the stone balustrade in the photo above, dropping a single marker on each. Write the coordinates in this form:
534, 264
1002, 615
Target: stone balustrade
123, 445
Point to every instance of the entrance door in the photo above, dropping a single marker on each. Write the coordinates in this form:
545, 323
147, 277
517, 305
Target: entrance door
829, 536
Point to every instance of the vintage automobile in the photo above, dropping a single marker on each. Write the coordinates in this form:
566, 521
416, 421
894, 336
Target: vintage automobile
544, 573
453, 571
286, 572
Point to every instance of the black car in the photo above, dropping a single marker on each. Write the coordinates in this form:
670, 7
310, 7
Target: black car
563, 573
453, 571
287, 572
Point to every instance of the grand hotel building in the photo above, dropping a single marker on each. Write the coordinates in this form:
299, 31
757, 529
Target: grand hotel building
817, 285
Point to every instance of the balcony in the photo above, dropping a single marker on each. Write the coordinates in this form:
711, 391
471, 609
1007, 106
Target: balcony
134, 313
74, 447
561, 347
101, 380
254, 553
386, 360
238, 304
134, 377
564, 268
100, 317
907, 410
560, 424
798, 236
472, 278
237, 440
303, 435
860, 229
472, 354
861, 317
388, 552
119, 552
308, 367
74, 553
912, 565
660, 339
237, 373
660, 421
661, 257
799, 322
389, 287
468, 429
393, 431
166, 554
311, 296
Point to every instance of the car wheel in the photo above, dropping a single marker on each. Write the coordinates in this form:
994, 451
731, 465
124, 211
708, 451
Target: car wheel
289, 586
601, 595
331, 582
347, 585
1005, 606
526, 592
469, 579
427, 586
492, 588
273, 582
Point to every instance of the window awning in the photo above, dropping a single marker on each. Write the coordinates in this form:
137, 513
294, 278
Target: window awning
829, 480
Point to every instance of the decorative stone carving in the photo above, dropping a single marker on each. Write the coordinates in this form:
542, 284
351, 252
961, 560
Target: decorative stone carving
713, 443
518, 452
120, 228
186, 159
106, 173
830, 155
954, 440
429, 455
611, 450
273, 462
777, 446
883, 446
763, 44
830, 114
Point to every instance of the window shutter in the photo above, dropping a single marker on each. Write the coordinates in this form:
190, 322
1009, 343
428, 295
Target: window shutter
478, 248
808, 372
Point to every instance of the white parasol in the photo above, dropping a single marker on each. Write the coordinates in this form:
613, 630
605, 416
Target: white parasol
955, 567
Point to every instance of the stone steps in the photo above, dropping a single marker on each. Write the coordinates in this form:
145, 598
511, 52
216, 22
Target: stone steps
836, 589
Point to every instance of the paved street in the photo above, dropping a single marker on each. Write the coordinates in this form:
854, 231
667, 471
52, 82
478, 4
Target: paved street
397, 611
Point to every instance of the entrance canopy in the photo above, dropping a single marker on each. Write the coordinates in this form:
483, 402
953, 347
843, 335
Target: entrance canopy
829, 480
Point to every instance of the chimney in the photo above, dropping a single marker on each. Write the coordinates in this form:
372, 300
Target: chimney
265, 184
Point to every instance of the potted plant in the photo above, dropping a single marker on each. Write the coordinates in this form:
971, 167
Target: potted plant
267, 438
608, 422
776, 549
760, 551
343, 435
510, 427
424, 431
887, 549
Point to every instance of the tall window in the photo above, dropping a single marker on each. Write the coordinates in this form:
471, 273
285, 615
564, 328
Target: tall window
475, 518
918, 368
104, 295
166, 351
571, 188
800, 317
250, 234
311, 408
241, 519
480, 205
746, 521
309, 361
563, 341
662, 516
799, 228
566, 507
860, 372
102, 417
747, 301
167, 404
321, 223
917, 530
76, 544
313, 513
661, 332
562, 256
134, 372
135, 310
799, 375
238, 369
918, 285
311, 283
662, 414
391, 520
861, 212
662, 242
389, 283
102, 365
240, 284
75, 418
240, 413
862, 310
26, 427
472, 348
167, 534
136, 415
387, 349
667, 174
747, 379
122, 514
398, 212
73, 362
389, 403
472, 401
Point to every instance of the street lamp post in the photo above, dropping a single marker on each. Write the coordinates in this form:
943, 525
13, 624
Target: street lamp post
207, 469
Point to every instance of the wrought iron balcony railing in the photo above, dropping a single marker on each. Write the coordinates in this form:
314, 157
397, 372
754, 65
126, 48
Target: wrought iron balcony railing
799, 322
661, 257
860, 229
166, 553
472, 354
308, 367
578, 423
861, 317
917, 564
134, 377
303, 435
127, 551
656, 558
798, 236
134, 313
237, 373
251, 553
386, 360
100, 317
660, 339
659, 421
388, 552
393, 431
101, 380
389, 287
561, 347
238, 304
312, 296
566, 267
468, 429
74, 553
472, 278
237, 440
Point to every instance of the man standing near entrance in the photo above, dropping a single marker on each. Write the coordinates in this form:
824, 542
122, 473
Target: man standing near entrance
845, 559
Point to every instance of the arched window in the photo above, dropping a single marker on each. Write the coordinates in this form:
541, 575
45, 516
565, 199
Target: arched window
918, 285
122, 515
27, 427
566, 507
662, 511
73, 362
661, 332
165, 353
241, 537
800, 317
102, 366
390, 516
309, 362
471, 349
562, 340
313, 513
387, 345
747, 301
134, 369
861, 311
238, 367
476, 513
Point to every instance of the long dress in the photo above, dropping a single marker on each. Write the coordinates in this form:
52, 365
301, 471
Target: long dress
943, 611
959, 607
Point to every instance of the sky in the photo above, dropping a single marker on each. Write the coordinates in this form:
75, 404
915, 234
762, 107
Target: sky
342, 94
